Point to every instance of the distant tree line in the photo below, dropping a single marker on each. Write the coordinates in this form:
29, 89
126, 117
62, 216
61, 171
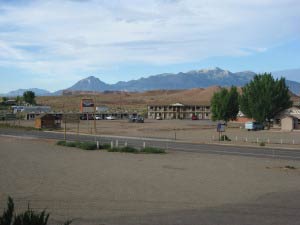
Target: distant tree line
28, 97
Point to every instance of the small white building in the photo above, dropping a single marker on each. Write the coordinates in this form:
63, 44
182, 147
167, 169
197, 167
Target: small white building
31, 112
288, 120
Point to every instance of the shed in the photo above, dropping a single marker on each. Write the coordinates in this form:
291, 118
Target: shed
289, 123
47, 121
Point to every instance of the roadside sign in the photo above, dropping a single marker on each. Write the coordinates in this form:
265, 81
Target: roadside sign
87, 105
221, 127
71, 118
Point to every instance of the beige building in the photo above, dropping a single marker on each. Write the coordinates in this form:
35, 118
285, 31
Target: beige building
288, 120
179, 111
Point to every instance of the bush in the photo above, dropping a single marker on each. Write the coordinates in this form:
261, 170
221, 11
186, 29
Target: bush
153, 150
224, 138
262, 144
105, 146
88, 145
113, 149
29, 217
72, 144
63, 143
82, 145
129, 149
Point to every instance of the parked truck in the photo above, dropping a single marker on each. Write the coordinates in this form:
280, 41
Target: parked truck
254, 126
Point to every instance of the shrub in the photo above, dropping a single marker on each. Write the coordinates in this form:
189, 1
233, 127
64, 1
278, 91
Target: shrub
113, 149
224, 137
88, 145
71, 144
153, 150
29, 217
63, 143
105, 146
129, 149
290, 167
262, 144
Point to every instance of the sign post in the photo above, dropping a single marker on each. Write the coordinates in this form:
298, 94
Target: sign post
220, 129
70, 118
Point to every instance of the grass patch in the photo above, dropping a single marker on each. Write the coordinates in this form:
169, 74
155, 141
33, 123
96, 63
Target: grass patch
93, 146
123, 149
129, 149
76, 144
87, 145
8, 125
153, 150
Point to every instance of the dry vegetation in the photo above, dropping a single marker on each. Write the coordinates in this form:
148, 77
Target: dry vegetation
130, 101
135, 101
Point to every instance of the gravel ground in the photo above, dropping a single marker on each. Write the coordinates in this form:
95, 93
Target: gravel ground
97, 187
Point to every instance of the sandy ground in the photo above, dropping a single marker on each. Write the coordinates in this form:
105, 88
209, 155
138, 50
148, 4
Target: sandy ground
97, 187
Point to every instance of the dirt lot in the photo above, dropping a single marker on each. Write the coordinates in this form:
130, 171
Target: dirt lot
97, 187
185, 130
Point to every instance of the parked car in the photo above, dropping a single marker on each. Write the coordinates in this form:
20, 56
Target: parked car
136, 119
98, 117
110, 118
194, 117
85, 117
158, 118
254, 126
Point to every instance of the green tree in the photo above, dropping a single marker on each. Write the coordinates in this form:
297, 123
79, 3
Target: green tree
19, 100
4, 99
29, 97
264, 97
225, 104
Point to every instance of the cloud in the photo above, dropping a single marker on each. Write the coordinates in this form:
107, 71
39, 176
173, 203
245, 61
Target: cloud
64, 37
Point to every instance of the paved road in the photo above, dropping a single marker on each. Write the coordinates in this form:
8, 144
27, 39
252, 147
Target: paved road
170, 145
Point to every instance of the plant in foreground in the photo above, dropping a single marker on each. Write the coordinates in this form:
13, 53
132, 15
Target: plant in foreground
28, 217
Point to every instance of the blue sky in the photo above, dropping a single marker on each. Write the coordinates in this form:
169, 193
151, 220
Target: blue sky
51, 44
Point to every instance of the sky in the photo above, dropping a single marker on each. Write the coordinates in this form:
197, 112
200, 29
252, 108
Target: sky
51, 44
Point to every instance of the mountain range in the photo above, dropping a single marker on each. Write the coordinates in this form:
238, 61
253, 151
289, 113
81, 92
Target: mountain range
167, 81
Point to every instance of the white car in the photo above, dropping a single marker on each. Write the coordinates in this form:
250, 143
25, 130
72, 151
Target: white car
110, 118
98, 117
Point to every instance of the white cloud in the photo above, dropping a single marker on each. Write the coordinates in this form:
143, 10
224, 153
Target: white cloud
57, 37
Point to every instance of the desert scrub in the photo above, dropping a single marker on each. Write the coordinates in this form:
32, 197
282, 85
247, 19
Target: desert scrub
76, 144
262, 144
62, 143
224, 138
93, 146
88, 145
123, 149
105, 146
28, 217
153, 150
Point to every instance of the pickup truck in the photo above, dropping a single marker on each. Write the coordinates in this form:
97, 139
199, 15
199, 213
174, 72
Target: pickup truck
254, 126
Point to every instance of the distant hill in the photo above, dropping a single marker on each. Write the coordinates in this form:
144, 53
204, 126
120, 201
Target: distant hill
168, 81
90, 83
19, 92
192, 79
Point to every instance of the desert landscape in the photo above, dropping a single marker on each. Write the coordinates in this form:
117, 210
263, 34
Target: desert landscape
98, 187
